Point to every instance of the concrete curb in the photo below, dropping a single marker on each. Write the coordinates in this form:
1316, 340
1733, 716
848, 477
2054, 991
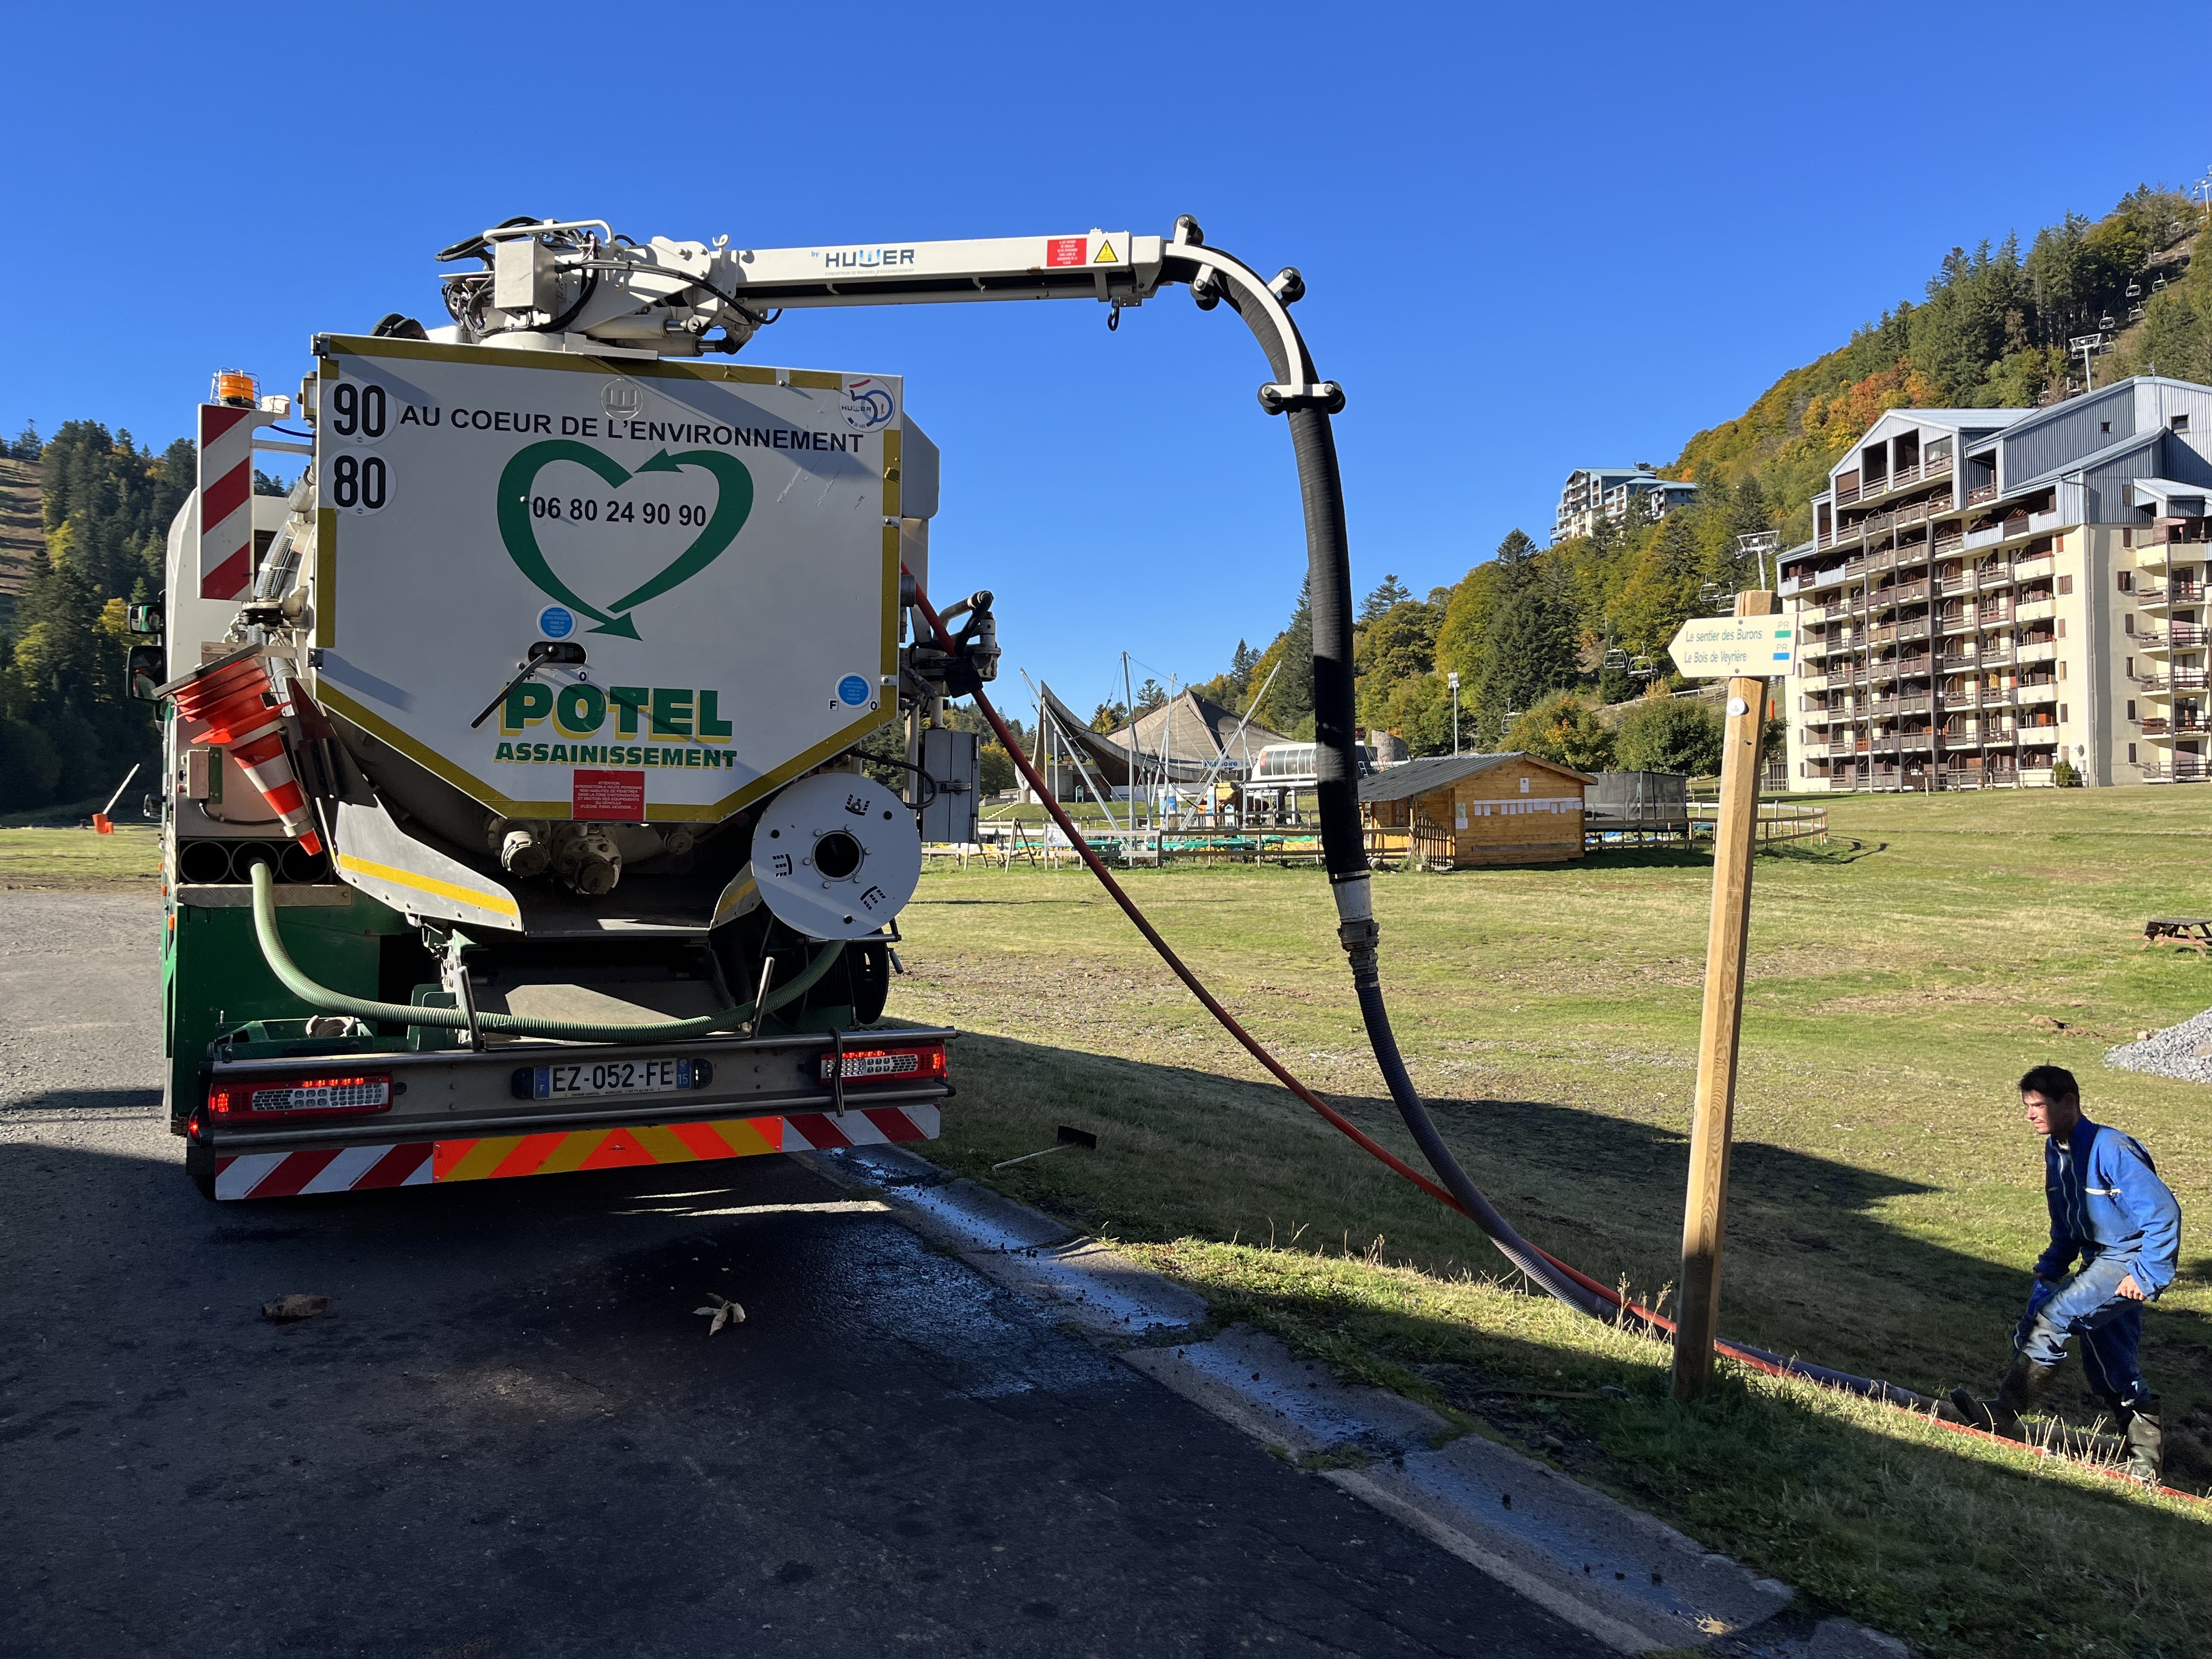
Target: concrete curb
1620, 1576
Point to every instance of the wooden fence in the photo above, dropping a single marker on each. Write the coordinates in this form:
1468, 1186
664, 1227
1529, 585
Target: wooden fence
1429, 846
1779, 821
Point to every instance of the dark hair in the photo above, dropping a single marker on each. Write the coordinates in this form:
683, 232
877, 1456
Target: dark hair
2052, 1082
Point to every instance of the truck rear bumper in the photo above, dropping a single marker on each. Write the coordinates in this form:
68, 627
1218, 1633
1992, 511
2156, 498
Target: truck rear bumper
291, 1173
461, 1116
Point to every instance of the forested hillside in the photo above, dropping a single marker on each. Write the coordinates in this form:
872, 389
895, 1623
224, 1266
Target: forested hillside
1538, 636
66, 730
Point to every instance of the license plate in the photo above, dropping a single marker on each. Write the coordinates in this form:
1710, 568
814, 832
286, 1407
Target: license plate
618, 1077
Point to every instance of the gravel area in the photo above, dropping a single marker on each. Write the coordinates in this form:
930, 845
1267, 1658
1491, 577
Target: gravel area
2183, 1051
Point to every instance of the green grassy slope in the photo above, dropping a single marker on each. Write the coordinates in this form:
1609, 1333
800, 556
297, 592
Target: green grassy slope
1886, 1196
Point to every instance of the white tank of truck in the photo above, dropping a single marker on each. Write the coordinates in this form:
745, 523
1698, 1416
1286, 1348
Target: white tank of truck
575, 613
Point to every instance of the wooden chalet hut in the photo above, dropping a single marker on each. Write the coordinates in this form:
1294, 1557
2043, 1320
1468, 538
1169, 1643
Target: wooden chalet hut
1459, 811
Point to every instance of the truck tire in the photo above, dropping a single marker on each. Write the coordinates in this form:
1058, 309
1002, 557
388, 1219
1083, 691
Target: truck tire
199, 1165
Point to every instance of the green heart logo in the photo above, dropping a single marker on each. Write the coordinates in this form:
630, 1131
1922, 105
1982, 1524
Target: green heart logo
733, 505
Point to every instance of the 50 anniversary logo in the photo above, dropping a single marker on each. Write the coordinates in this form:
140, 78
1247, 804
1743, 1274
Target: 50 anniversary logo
733, 505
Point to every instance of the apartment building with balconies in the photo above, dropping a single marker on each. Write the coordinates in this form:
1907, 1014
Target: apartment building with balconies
1593, 493
1990, 591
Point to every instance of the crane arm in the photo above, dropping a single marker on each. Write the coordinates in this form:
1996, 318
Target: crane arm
546, 284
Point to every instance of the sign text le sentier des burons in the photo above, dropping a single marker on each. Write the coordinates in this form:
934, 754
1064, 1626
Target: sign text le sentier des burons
1750, 647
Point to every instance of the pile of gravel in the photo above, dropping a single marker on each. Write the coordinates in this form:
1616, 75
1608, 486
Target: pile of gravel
2182, 1051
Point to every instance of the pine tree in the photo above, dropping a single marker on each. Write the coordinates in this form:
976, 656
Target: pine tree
1660, 593
1604, 538
1614, 683
1529, 651
1290, 699
1388, 592
1240, 667
1530, 642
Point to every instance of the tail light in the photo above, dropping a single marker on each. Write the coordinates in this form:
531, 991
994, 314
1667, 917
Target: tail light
278, 1100
922, 1063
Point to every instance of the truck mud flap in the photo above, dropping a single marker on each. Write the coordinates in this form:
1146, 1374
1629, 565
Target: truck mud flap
492, 1157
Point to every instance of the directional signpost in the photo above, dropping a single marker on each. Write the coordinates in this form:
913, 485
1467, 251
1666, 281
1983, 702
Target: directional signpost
1743, 646
1745, 649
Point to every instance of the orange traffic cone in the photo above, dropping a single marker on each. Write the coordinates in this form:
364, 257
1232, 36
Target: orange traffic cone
235, 700
263, 761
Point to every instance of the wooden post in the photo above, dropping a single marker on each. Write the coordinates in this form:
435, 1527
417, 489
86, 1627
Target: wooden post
1736, 839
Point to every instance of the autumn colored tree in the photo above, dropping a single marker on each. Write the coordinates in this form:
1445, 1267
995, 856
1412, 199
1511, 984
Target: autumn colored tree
1396, 646
1564, 727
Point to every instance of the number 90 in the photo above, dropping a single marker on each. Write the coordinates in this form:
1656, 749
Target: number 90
357, 411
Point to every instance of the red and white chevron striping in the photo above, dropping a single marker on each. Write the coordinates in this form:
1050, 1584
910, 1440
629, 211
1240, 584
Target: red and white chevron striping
226, 481
426, 1163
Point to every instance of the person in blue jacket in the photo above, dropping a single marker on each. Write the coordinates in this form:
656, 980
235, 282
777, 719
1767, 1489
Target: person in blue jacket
2110, 1212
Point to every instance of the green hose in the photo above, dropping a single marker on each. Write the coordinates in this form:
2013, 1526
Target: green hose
454, 1020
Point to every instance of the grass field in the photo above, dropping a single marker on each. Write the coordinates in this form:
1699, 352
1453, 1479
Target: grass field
1886, 1196
79, 859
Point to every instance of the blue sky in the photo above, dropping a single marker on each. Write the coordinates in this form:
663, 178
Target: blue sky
1533, 238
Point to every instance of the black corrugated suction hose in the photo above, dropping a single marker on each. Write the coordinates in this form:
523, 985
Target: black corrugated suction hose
1343, 846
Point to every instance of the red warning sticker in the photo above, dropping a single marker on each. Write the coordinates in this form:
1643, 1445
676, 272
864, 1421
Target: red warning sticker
612, 797
1067, 250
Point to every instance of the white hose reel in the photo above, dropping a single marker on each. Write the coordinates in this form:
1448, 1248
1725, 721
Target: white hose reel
836, 855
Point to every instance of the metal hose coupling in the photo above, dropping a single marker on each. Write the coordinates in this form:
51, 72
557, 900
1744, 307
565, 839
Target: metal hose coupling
1360, 938
1357, 930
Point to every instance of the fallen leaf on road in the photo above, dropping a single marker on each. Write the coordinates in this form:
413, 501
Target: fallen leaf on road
287, 1308
723, 1312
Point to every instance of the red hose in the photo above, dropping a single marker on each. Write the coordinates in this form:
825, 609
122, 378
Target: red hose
1758, 1359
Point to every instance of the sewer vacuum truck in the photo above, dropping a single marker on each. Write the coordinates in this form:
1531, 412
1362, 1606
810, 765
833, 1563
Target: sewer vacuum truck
513, 817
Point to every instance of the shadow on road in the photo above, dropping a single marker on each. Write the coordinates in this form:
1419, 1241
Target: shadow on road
512, 1435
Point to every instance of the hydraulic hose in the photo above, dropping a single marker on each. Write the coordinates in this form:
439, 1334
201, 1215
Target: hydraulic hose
290, 975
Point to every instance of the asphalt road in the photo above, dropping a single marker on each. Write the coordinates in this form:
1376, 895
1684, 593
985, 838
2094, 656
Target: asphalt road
512, 1436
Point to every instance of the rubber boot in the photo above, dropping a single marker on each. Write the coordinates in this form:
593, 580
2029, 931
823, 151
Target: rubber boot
2022, 1387
2146, 1458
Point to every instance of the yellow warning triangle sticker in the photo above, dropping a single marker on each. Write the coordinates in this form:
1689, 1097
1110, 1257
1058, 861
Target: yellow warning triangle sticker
1106, 255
